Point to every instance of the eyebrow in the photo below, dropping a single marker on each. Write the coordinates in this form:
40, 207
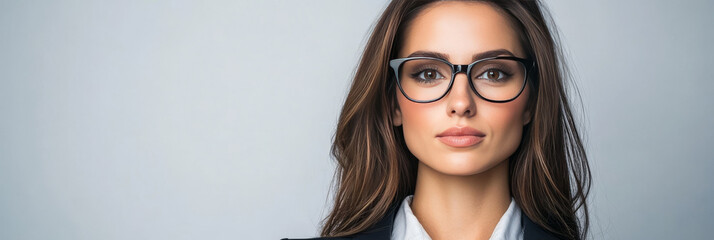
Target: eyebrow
481, 55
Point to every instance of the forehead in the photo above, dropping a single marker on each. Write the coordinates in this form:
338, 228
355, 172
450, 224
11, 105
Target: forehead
460, 30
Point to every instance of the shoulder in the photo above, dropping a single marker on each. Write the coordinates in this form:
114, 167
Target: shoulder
532, 230
382, 230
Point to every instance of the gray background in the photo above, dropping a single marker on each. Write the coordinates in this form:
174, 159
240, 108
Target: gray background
213, 119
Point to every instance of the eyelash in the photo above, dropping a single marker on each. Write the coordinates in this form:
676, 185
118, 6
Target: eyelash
505, 73
421, 69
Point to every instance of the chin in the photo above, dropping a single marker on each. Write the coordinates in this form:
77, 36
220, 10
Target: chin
462, 166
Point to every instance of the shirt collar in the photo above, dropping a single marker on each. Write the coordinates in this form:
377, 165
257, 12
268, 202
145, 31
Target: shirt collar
407, 226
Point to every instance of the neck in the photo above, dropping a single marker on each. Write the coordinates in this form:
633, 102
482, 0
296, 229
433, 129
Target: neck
461, 207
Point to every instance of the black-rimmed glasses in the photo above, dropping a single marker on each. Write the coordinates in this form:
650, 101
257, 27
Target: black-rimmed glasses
494, 79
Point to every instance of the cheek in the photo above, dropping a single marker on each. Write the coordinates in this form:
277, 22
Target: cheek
504, 116
418, 120
506, 126
506, 123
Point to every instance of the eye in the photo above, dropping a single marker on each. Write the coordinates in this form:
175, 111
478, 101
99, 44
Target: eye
492, 75
429, 75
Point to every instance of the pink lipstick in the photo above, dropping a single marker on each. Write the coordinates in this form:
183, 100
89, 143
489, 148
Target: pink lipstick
461, 137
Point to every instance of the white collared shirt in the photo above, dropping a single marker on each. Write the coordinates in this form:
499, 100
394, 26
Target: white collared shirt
407, 226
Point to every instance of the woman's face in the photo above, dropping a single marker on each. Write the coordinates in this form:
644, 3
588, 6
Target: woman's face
461, 30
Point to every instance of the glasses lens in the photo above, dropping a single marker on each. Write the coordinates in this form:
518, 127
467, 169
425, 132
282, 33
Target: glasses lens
498, 79
424, 79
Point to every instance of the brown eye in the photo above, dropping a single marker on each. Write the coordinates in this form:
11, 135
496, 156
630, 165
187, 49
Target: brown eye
491, 74
430, 74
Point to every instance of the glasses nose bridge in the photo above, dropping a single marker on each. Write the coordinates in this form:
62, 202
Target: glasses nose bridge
459, 69
456, 70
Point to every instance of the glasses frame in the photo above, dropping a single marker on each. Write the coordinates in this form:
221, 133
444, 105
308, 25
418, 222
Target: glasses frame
466, 69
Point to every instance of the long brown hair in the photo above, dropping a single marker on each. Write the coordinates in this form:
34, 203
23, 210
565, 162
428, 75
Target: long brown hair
549, 173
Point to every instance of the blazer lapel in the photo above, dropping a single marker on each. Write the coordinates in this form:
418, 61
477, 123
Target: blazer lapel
382, 230
532, 230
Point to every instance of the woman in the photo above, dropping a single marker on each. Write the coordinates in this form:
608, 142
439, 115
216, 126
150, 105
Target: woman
458, 126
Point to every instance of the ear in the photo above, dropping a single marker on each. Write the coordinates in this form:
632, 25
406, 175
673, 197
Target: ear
530, 105
527, 116
396, 114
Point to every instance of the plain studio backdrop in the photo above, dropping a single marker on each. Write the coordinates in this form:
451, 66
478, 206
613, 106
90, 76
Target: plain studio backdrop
214, 119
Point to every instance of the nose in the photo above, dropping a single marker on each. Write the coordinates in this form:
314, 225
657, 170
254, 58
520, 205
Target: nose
461, 99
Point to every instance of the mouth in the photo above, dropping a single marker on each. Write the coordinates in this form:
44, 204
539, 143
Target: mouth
461, 137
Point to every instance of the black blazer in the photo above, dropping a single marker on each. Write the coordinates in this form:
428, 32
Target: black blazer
382, 230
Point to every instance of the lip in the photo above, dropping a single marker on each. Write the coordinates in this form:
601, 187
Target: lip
461, 136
